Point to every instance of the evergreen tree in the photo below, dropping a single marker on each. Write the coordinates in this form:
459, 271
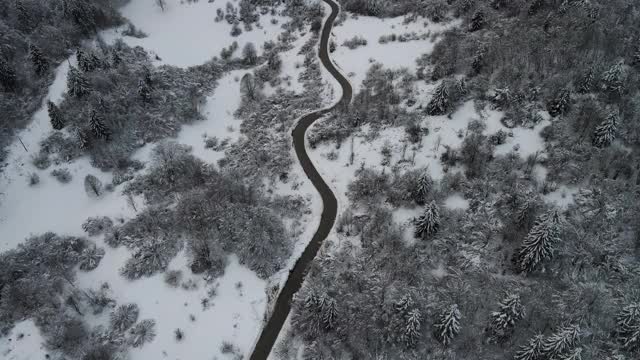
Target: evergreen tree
412, 330
532, 350
249, 54
40, 63
539, 244
87, 61
92, 186
561, 342
248, 86
535, 6
559, 105
575, 354
439, 104
605, 133
116, 59
403, 305
429, 223
628, 326
424, 185
587, 83
96, 122
510, 310
77, 84
143, 332
24, 17
144, 92
477, 21
613, 79
7, 75
82, 139
57, 121
329, 312
448, 326
123, 317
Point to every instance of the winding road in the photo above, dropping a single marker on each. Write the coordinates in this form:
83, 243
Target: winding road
330, 205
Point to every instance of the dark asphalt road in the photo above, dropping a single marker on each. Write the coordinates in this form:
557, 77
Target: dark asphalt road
330, 205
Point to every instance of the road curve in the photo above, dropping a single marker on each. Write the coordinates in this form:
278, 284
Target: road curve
330, 205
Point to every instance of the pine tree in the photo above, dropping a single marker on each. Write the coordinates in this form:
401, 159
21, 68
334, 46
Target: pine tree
87, 61
143, 332
423, 187
249, 54
92, 186
429, 223
448, 326
24, 18
561, 342
116, 59
7, 75
439, 104
57, 121
535, 6
532, 350
628, 326
575, 354
123, 317
144, 92
477, 21
605, 133
412, 330
588, 82
539, 244
613, 79
40, 63
96, 122
329, 312
82, 139
559, 105
403, 305
510, 310
77, 84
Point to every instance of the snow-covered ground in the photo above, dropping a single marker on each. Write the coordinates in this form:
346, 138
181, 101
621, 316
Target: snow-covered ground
392, 55
185, 33
24, 342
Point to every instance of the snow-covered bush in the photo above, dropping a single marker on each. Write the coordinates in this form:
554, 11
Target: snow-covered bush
173, 278
63, 175
355, 42
34, 179
97, 225
90, 258
123, 317
142, 333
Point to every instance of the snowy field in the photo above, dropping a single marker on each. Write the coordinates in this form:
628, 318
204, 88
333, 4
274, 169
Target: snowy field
186, 33
393, 55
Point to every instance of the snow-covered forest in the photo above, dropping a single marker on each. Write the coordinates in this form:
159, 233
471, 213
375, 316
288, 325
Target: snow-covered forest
486, 173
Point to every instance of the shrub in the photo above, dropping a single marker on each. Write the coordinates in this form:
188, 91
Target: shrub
62, 175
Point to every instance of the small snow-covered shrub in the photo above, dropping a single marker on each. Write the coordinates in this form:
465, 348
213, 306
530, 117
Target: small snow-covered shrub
179, 334
34, 179
355, 42
63, 175
132, 31
124, 317
41, 161
143, 332
210, 142
235, 30
92, 186
96, 225
498, 138
173, 278
90, 258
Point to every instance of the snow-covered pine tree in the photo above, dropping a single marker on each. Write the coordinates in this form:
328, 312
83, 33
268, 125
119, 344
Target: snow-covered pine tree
588, 82
24, 18
575, 354
613, 79
77, 84
57, 121
123, 317
87, 61
7, 75
439, 104
98, 128
448, 326
40, 63
532, 350
477, 21
92, 186
539, 244
90, 258
412, 331
144, 92
82, 139
423, 187
143, 332
429, 223
628, 326
510, 310
561, 342
535, 6
559, 105
249, 54
403, 305
329, 312
605, 133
